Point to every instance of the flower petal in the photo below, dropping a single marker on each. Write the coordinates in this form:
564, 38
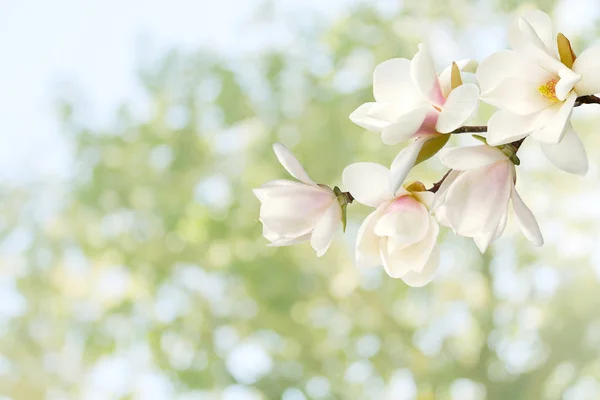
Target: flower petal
484, 241
392, 81
467, 65
292, 211
568, 80
405, 219
367, 242
506, 127
509, 64
425, 198
325, 229
471, 157
517, 96
363, 118
440, 195
291, 164
289, 241
369, 183
263, 192
533, 27
526, 220
424, 75
404, 162
417, 254
555, 127
405, 126
478, 198
420, 279
587, 65
458, 108
569, 154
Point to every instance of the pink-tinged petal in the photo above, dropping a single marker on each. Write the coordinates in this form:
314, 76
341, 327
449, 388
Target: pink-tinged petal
291, 213
440, 195
367, 242
417, 254
275, 190
325, 229
534, 28
517, 96
361, 117
478, 198
555, 127
262, 193
424, 75
291, 164
464, 66
392, 81
405, 219
587, 65
427, 128
569, 154
404, 162
460, 106
405, 126
420, 279
472, 157
484, 241
369, 183
508, 64
526, 220
506, 127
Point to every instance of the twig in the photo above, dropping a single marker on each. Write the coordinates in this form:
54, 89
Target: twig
590, 99
436, 186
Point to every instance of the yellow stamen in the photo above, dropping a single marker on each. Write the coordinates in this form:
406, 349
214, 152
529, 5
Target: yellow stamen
548, 90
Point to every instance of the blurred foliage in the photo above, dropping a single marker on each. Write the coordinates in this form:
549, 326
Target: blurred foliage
146, 275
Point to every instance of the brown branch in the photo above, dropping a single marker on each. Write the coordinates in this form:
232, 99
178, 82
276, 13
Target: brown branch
590, 99
436, 186
470, 129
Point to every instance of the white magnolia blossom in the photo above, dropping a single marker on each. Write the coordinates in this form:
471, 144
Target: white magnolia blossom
413, 102
293, 212
400, 234
535, 86
473, 199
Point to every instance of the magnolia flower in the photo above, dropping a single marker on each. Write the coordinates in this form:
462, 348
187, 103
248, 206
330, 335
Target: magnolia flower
400, 233
293, 212
413, 102
535, 86
473, 199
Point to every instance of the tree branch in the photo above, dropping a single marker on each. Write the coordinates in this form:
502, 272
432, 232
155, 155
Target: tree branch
590, 99
436, 186
470, 129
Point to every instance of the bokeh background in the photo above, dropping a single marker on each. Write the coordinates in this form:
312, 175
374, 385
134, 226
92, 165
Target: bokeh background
131, 259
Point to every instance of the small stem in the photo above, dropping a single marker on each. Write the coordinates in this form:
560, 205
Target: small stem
436, 186
590, 99
470, 129
349, 197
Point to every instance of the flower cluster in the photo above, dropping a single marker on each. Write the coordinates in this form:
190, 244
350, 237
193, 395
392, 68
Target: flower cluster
535, 87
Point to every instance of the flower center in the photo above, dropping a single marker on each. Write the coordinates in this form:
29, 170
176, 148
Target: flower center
548, 90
